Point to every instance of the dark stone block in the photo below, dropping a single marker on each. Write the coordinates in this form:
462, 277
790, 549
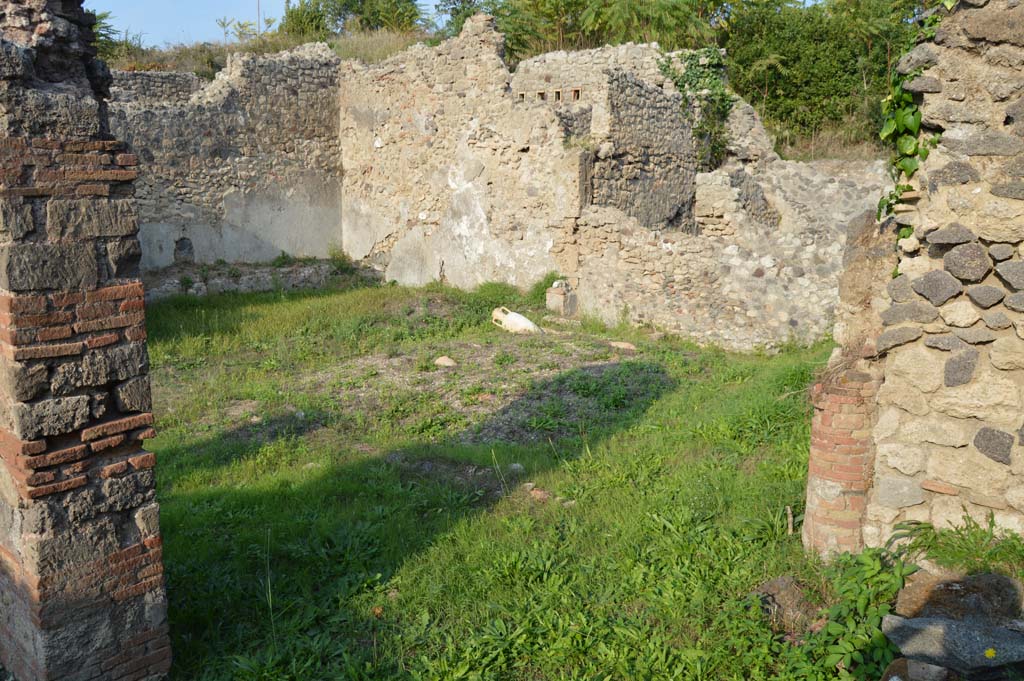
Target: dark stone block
951, 235
995, 444
896, 337
986, 296
67, 266
960, 368
1012, 272
968, 262
938, 287
918, 312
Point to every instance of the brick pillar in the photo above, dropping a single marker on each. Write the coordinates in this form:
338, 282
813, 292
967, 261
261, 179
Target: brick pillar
841, 463
81, 577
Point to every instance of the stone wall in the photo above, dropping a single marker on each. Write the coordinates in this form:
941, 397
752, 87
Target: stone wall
245, 168
447, 176
81, 577
943, 340
452, 173
154, 87
579, 77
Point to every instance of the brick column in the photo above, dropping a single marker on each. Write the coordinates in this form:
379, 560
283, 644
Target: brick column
841, 463
81, 577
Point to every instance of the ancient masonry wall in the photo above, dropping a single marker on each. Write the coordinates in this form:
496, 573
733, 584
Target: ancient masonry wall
244, 168
435, 165
942, 436
154, 87
81, 577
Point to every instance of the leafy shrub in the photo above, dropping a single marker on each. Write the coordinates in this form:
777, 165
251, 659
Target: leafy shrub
851, 644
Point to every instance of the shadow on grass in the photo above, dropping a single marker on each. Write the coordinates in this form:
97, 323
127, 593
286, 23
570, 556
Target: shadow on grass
225, 313
270, 578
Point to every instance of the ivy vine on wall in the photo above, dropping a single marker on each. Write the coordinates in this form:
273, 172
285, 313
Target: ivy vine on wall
699, 76
901, 126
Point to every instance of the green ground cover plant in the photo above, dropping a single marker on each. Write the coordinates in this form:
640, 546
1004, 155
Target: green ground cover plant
335, 506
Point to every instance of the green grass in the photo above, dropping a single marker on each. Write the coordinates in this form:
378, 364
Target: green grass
334, 507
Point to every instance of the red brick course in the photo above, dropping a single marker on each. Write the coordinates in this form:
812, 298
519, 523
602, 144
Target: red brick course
841, 466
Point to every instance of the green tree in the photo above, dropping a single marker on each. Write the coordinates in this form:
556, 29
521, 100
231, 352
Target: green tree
106, 35
457, 12
244, 31
225, 24
672, 23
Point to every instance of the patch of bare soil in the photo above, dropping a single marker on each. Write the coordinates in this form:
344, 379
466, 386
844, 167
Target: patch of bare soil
520, 390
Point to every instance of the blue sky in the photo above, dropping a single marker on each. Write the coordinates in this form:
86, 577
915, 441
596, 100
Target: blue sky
185, 20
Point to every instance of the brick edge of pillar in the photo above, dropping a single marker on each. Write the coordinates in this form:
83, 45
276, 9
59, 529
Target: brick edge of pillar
841, 464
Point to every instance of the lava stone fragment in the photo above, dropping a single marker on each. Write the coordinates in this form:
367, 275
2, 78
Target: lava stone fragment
960, 368
968, 262
952, 235
900, 289
986, 296
995, 444
894, 338
1012, 273
975, 336
938, 287
1015, 302
996, 320
955, 173
918, 312
946, 342
1009, 190
1001, 252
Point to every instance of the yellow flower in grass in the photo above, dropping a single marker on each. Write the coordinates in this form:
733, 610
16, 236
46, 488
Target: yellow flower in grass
990, 653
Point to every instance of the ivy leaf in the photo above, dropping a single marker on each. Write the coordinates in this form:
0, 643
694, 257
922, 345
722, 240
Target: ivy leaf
888, 129
912, 120
907, 145
909, 165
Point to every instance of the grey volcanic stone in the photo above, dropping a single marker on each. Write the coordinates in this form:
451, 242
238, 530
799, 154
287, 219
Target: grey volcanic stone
50, 416
955, 173
938, 287
956, 645
1009, 190
896, 337
1001, 252
946, 342
996, 320
951, 235
987, 143
1015, 302
975, 336
960, 368
968, 262
134, 395
922, 56
924, 84
1012, 273
986, 296
900, 289
48, 266
918, 312
995, 444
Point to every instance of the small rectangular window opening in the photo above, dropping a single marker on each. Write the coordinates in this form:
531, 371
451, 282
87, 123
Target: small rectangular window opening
542, 96
576, 95
558, 95
522, 96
